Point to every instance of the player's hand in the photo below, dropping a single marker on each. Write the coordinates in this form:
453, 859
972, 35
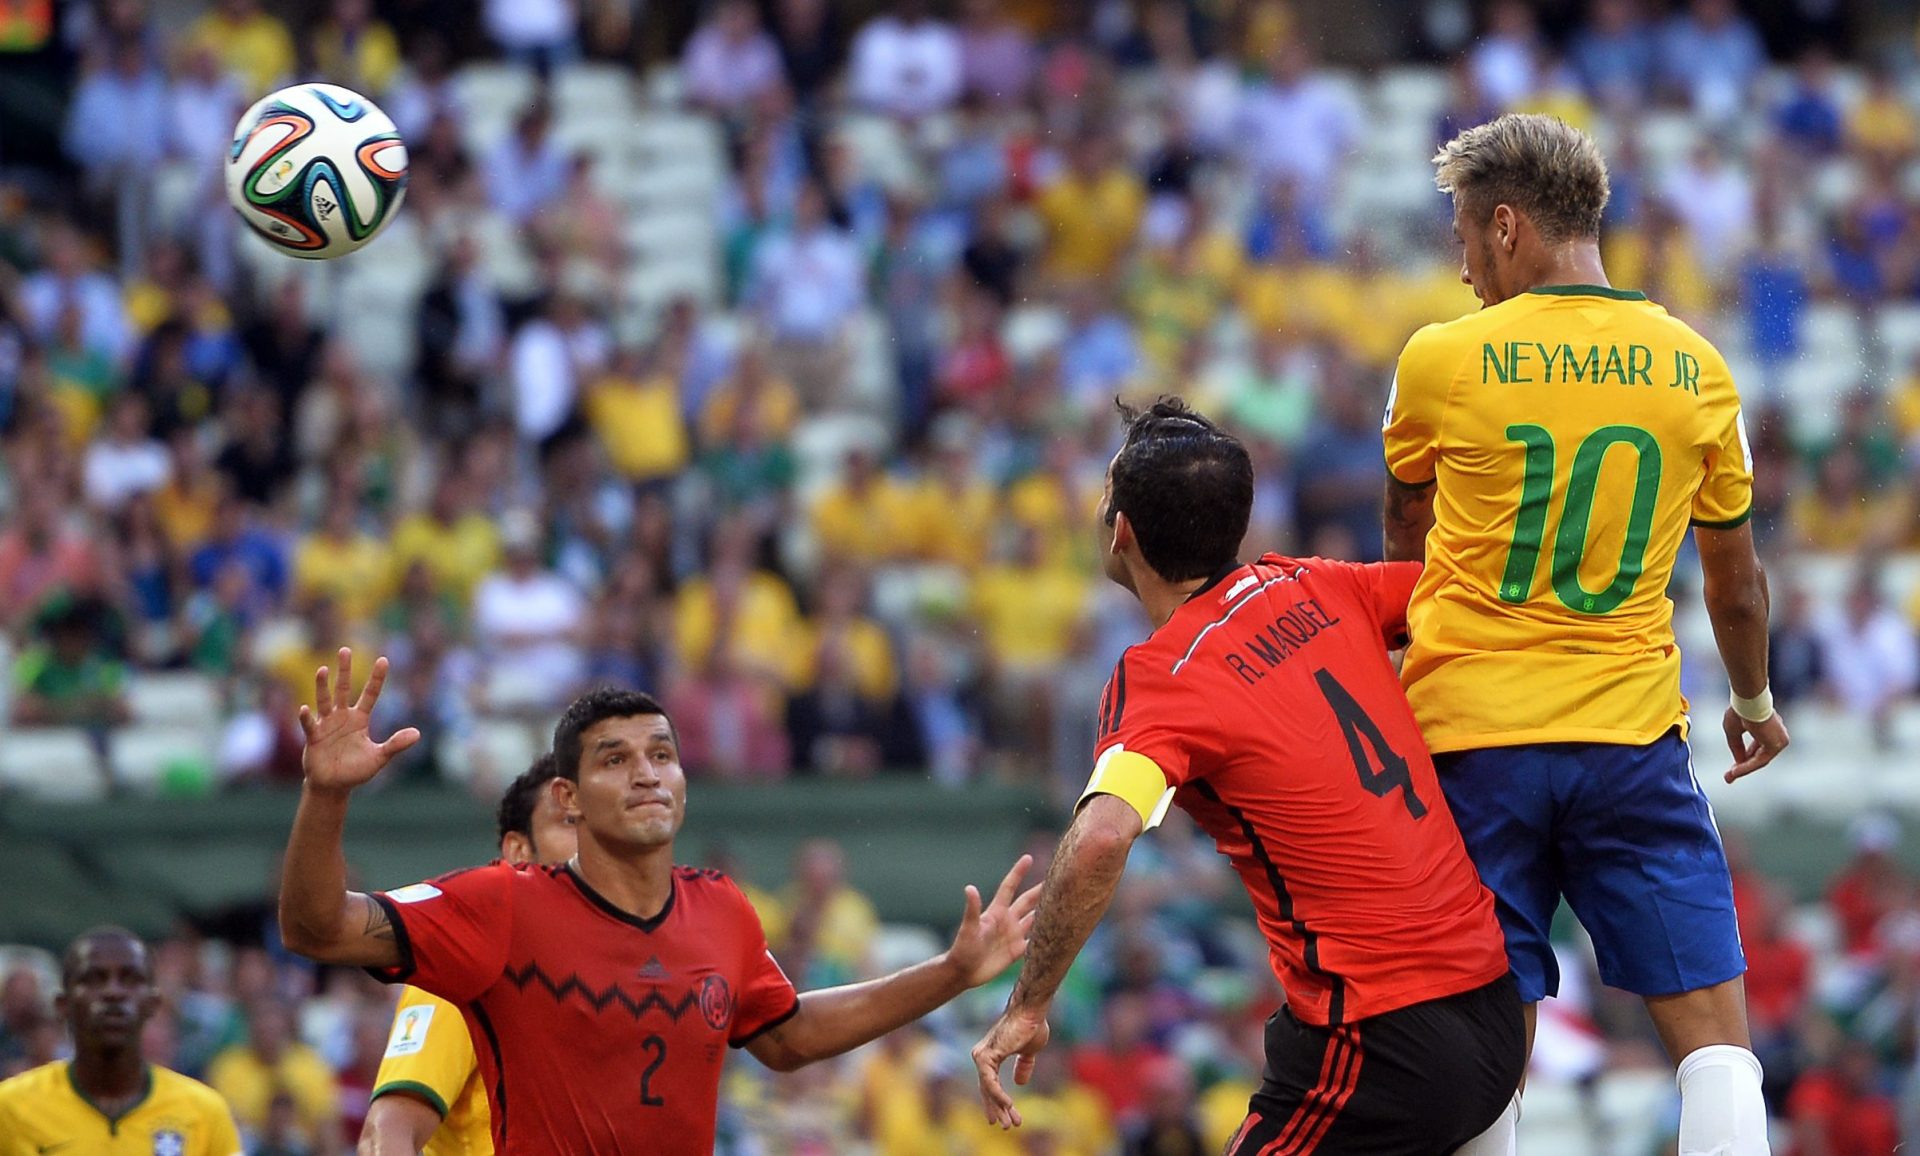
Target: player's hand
1020, 1032
1754, 744
989, 941
340, 754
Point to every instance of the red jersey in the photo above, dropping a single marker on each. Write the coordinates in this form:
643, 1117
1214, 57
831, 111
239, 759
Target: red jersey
1269, 703
596, 1031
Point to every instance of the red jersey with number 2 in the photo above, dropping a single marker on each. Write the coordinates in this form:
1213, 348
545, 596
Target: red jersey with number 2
596, 1031
1269, 702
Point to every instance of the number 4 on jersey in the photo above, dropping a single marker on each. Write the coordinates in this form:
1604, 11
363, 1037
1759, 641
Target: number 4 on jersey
1357, 725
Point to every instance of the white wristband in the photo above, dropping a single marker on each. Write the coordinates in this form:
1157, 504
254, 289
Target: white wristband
1757, 709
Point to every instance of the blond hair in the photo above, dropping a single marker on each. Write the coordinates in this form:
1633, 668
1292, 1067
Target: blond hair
1540, 165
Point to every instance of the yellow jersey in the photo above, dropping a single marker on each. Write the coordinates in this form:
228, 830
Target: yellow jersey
43, 1113
430, 1056
1574, 433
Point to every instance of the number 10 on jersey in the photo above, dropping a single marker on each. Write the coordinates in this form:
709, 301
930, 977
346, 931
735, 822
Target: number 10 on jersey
1576, 512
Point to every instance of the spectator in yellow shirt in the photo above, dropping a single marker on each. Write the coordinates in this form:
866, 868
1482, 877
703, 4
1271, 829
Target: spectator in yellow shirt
342, 562
866, 517
271, 1061
1092, 212
840, 621
455, 542
959, 511
1055, 502
252, 46
1028, 610
1839, 512
355, 50
1881, 124
754, 386
749, 610
830, 925
635, 413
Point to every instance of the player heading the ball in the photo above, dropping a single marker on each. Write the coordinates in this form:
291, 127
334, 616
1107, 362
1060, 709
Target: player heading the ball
1547, 458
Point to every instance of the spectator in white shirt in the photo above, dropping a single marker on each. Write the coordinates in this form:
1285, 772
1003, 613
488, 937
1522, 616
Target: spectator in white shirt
541, 33
1503, 61
69, 281
1297, 128
731, 61
528, 172
550, 356
1870, 655
1714, 202
125, 462
1711, 55
906, 63
808, 280
806, 284
529, 622
202, 104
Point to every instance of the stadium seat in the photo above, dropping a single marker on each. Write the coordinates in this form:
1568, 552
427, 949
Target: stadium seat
1833, 333
1898, 329
52, 763
1665, 139
496, 751
493, 90
1418, 93
592, 88
174, 698
143, 756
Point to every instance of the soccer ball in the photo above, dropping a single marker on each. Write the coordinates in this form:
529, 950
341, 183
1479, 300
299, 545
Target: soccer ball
316, 169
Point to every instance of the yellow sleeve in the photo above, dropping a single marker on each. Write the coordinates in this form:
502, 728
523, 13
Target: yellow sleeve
223, 1136
429, 1053
1725, 499
1411, 428
1134, 779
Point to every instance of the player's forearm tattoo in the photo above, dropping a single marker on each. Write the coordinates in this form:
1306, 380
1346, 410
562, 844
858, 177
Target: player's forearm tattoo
1409, 515
1080, 884
379, 926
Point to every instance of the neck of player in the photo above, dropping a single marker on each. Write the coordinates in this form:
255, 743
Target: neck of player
1160, 598
1574, 263
110, 1076
638, 882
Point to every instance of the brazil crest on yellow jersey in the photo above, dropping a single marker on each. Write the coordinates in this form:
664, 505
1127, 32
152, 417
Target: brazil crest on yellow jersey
42, 1113
1573, 434
430, 1057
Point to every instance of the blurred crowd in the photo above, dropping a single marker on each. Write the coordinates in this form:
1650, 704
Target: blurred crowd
834, 501
562, 485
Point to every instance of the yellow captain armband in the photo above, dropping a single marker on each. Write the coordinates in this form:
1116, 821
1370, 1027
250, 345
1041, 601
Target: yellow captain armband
1132, 778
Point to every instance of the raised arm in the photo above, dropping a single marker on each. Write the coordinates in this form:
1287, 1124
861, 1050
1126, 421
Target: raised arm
1735, 588
1407, 516
319, 917
835, 1020
1080, 885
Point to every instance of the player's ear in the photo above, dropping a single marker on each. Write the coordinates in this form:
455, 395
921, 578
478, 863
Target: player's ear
516, 848
1122, 534
1506, 227
566, 796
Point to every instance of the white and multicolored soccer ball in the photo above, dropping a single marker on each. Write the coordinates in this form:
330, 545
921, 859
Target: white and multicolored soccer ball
317, 170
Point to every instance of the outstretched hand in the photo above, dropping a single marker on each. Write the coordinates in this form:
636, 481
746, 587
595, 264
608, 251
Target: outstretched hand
340, 753
989, 941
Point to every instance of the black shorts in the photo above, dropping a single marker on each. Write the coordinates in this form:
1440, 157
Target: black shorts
1420, 1081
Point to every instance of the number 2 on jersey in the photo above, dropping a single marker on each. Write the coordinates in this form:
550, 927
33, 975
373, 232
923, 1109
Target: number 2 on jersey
657, 1048
1576, 511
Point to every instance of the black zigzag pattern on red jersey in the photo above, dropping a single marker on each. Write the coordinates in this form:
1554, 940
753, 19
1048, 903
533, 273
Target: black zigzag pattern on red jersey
572, 988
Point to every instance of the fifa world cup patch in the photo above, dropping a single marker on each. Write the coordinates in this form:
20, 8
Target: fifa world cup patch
410, 1031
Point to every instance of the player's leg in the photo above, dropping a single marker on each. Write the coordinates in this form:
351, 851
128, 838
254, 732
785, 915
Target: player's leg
1647, 875
1502, 800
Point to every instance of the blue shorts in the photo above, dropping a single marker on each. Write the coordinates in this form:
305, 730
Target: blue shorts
1625, 834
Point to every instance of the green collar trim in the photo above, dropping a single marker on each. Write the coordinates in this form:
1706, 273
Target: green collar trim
1590, 291
113, 1122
